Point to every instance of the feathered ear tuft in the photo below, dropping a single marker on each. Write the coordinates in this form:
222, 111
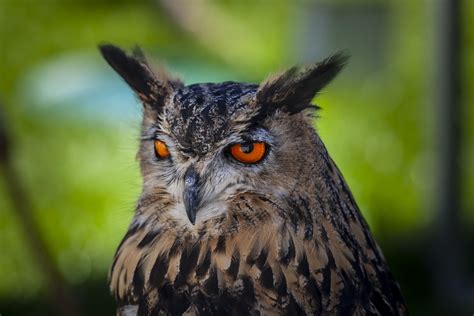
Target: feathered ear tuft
152, 88
293, 90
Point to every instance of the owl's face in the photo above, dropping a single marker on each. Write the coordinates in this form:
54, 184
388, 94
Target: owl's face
209, 145
204, 145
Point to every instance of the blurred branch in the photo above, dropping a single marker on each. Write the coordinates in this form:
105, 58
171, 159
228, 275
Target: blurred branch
449, 250
232, 39
62, 297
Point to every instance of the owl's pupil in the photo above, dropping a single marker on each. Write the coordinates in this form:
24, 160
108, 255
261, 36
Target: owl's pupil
247, 147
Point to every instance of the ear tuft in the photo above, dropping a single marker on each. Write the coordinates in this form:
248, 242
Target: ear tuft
293, 90
151, 88
138, 53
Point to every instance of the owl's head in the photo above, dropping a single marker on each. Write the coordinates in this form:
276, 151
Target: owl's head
204, 145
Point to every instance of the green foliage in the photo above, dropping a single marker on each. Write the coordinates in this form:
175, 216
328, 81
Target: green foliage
82, 176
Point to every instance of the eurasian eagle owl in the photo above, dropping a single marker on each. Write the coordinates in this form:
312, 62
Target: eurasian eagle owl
242, 209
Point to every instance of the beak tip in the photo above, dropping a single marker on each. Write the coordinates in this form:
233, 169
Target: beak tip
191, 216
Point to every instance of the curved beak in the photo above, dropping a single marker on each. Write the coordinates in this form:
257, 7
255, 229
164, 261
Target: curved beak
191, 194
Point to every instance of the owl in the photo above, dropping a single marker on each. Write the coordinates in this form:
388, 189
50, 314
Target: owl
242, 210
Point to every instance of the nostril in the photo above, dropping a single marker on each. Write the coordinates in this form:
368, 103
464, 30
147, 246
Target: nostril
191, 178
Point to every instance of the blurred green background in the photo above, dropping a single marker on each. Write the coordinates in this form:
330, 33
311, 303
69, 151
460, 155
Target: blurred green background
74, 124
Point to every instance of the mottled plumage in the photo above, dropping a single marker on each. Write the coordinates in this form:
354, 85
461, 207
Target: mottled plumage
212, 235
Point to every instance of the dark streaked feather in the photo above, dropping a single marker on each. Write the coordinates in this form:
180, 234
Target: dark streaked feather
152, 88
293, 90
134, 71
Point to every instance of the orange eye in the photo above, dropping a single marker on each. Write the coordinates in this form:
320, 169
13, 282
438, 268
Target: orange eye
161, 151
248, 152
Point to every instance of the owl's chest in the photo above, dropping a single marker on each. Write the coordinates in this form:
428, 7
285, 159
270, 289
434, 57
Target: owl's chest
259, 271
214, 281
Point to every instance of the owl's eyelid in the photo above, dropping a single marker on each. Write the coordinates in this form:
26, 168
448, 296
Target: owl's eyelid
152, 136
258, 137
154, 133
147, 138
255, 134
